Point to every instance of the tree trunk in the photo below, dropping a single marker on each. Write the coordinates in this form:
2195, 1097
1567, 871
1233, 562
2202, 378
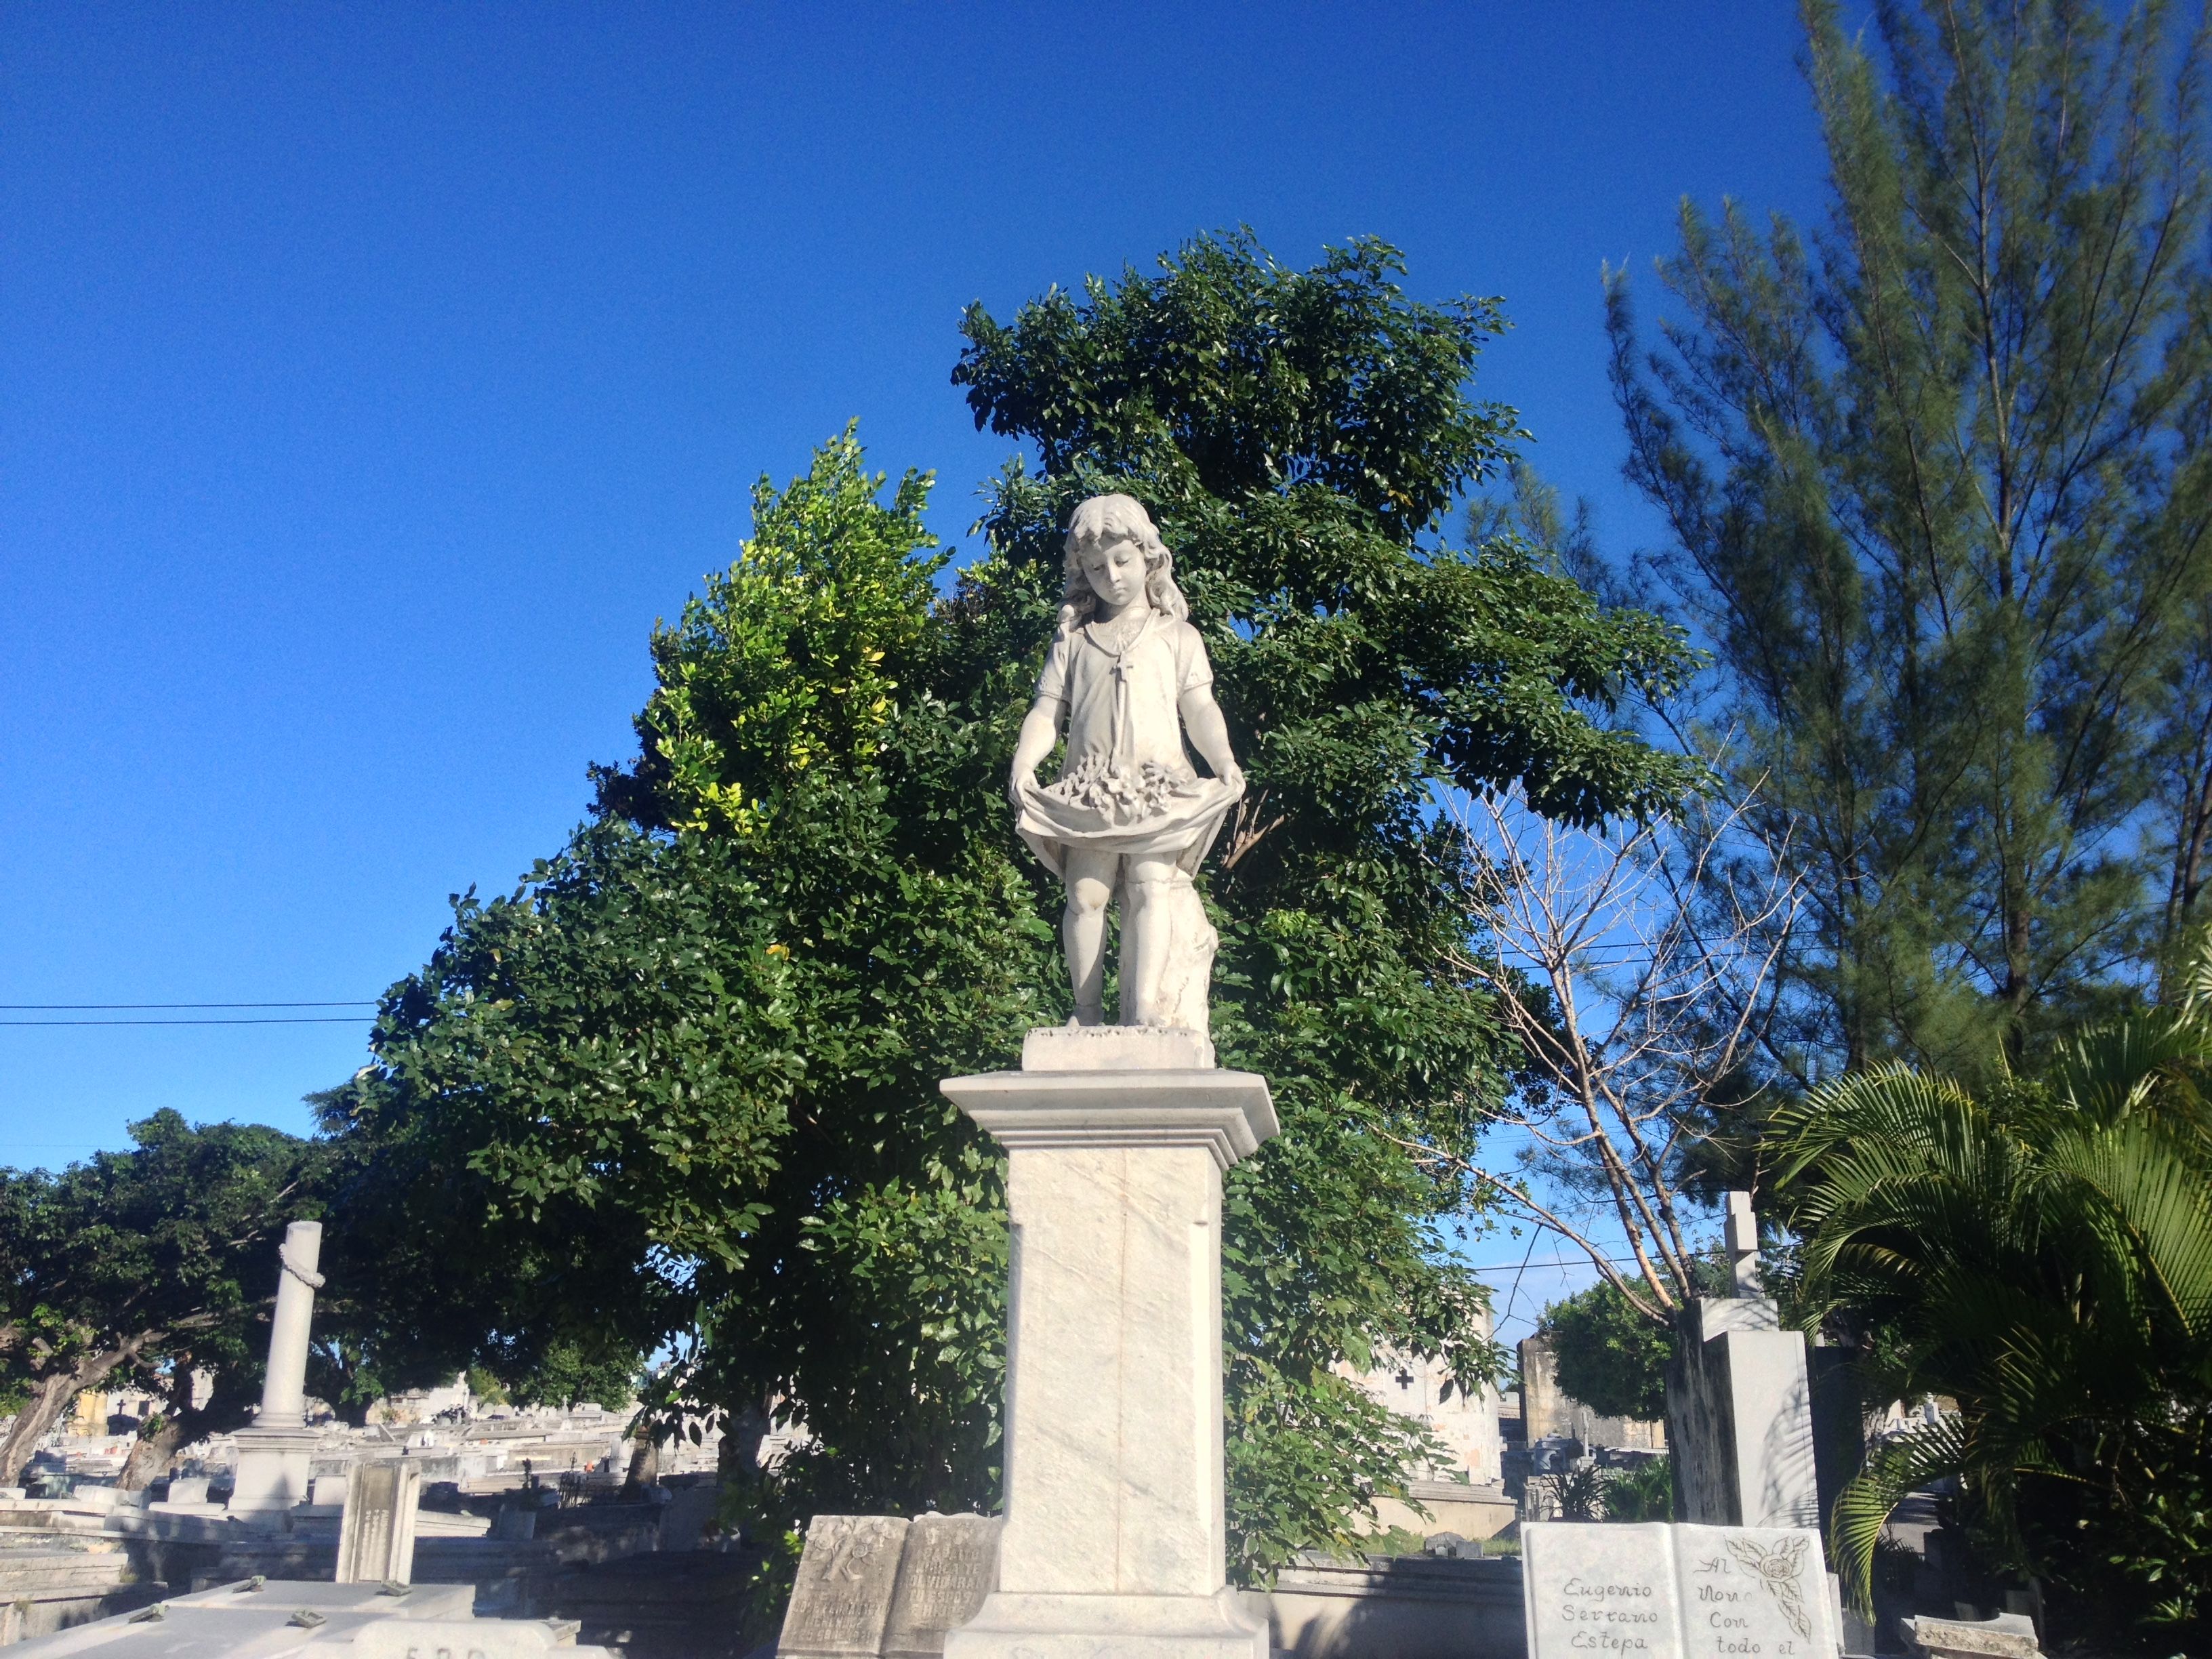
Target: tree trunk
227, 1408
742, 1434
644, 1462
150, 1453
50, 1397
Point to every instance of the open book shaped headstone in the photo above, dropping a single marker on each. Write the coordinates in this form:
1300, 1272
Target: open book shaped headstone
1676, 1592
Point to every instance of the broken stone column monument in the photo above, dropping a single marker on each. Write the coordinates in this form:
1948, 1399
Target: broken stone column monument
273, 1455
1117, 1137
1739, 1403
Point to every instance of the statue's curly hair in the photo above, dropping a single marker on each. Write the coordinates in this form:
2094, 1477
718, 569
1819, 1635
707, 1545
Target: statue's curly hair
1103, 519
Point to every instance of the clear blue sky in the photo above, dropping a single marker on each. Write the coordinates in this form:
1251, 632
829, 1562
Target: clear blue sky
372, 376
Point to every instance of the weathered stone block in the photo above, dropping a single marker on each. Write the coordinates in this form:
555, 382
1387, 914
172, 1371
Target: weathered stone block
841, 1601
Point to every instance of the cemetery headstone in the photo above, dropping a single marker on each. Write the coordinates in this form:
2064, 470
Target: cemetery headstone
1739, 1402
515, 1523
1599, 1588
376, 1533
951, 1563
1753, 1590
840, 1601
1676, 1592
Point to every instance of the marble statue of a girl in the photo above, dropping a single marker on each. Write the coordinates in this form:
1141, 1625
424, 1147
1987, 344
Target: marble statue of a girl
1129, 817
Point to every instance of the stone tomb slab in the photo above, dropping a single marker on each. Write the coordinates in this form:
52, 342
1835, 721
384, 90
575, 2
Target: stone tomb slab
840, 1601
950, 1564
470, 1638
376, 1531
1675, 1592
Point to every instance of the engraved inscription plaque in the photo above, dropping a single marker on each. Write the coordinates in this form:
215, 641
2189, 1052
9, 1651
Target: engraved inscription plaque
1678, 1592
842, 1597
951, 1564
1599, 1588
376, 1531
1753, 1593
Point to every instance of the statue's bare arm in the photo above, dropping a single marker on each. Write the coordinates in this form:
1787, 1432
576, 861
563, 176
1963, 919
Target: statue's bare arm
1040, 731
1208, 732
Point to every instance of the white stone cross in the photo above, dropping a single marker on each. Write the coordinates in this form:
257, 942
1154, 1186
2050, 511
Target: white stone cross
1743, 1246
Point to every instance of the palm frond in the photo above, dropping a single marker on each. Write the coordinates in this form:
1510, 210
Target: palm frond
1871, 1497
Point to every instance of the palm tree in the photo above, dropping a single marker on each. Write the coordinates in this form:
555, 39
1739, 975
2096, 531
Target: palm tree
2040, 1250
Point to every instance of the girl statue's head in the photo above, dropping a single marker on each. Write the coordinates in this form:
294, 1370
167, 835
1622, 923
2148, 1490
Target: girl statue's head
1102, 521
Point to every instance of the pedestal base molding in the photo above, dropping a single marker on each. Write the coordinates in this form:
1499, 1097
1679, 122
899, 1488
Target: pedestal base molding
1223, 1626
272, 1473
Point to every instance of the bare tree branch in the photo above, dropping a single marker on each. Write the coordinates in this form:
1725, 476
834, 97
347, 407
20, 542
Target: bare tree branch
1634, 969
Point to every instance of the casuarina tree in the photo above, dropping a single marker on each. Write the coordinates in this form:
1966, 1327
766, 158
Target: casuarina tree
1937, 493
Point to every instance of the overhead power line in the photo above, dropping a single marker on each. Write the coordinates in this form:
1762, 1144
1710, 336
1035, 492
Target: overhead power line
280, 1019
1548, 1261
220, 1017
141, 1008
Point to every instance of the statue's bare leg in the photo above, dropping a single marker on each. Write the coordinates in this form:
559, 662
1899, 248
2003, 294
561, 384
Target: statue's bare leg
1082, 930
1147, 921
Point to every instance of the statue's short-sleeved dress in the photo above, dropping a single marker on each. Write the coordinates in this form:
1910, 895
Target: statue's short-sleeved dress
1128, 786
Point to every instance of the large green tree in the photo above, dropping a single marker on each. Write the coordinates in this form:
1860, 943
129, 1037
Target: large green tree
151, 1264
1611, 1356
692, 1064
1937, 496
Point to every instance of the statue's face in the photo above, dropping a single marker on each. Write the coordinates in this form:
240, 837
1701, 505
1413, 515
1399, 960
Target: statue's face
1115, 572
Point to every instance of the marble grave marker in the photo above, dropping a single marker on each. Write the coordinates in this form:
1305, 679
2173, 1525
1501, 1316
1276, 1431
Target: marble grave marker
1678, 1592
1755, 1591
951, 1563
1599, 1588
841, 1601
376, 1531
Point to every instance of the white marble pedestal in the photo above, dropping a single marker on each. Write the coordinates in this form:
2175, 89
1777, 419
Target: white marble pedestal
1116, 1138
272, 1473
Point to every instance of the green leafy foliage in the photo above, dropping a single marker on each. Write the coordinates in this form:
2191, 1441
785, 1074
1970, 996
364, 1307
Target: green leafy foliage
1610, 1357
569, 1373
1577, 1492
680, 1086
2041, 1251
146, 1264
1642, 1492
780, 667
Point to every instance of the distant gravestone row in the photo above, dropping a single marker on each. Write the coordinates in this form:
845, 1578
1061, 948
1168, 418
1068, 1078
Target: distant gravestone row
1677, 1592
877, 1586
